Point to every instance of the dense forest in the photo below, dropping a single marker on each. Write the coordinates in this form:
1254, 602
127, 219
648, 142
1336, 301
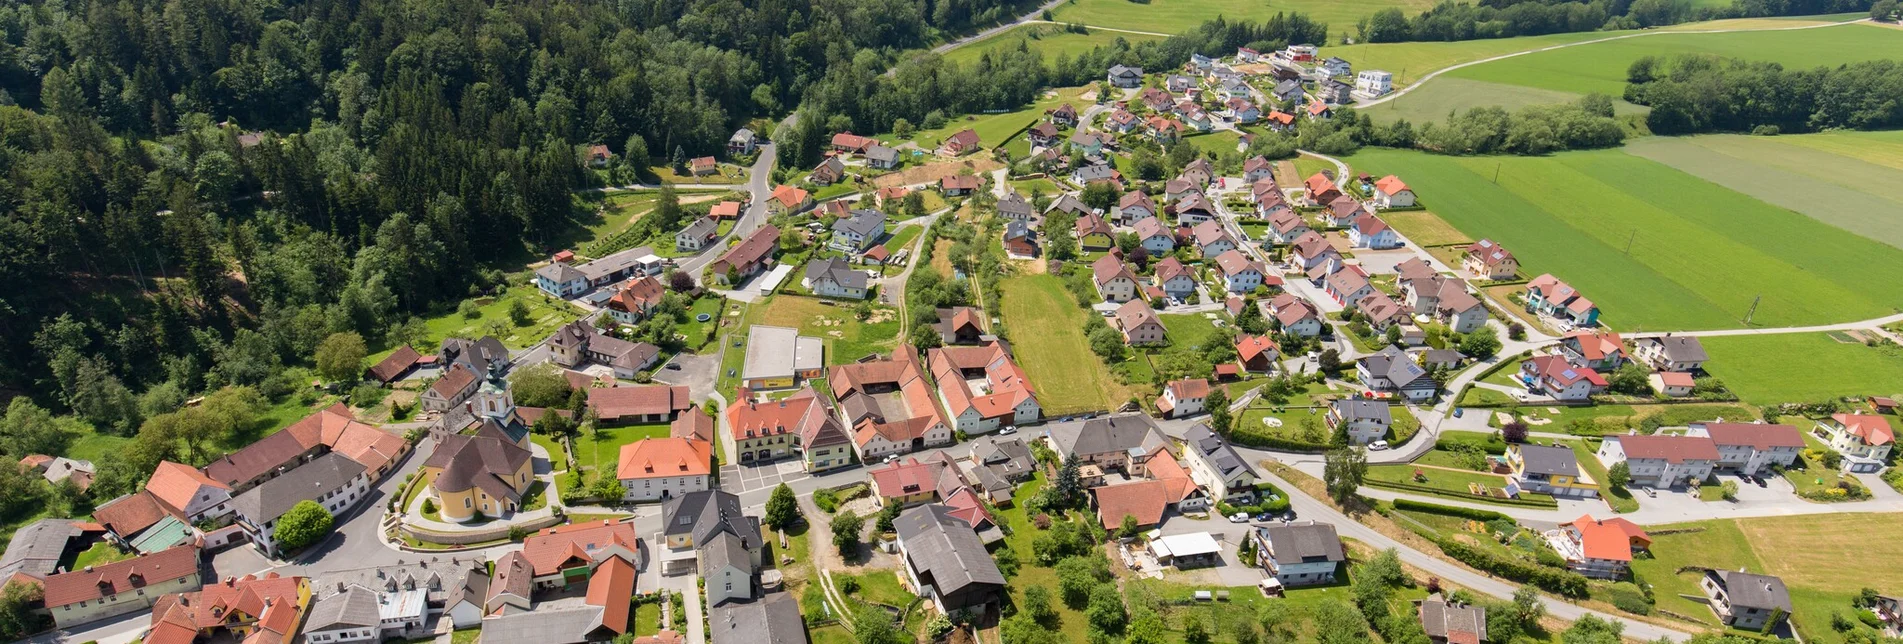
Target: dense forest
1463, 20
1692, 94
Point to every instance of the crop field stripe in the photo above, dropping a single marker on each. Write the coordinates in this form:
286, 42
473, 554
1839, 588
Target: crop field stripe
1852, 194
1880, 148
1802, 367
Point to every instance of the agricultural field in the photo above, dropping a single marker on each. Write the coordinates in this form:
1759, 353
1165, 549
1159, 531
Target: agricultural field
1654, 247
1601, 67
994, 129
1047, 332
1424, 228
1409, 61
1851, 180
1821, 558
1435, 101
1050, 40
1178, 16
1803, 367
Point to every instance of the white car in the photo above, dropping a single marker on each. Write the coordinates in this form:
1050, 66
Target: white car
1007, 431
1377, 446
1239, 517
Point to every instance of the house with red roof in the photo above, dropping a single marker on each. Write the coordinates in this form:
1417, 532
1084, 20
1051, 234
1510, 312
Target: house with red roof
1750, 448
655, 469
748, 257
1547, 295
1115, 282
1391, 192
982, 388
1165, 486
248, 610
801, 423
1297, 316
1182, 398
1662, 461
1553, 376
1487, 260
1598, 350
1139, 324
851, 143
1598, 548
1368, 231
1675, 384
1310, 250
639, 404
112, 589
1863, 439
888, 405
916, 480
1257, 353
568, 554
1240, 274
962, 143
188, 493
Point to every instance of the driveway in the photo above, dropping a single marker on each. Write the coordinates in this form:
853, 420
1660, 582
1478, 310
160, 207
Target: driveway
697, 372
748, 477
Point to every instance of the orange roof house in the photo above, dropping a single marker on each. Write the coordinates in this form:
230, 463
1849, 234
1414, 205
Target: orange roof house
267, 609
650, 458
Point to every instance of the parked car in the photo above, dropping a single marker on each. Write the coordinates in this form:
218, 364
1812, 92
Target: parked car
1008, 430
1377, 446
1651, 491
1239, 517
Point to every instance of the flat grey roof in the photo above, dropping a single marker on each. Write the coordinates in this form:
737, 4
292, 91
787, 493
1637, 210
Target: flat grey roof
778, 352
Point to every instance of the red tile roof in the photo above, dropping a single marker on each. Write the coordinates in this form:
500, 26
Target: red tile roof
693, 425
959, 182
665, 457
752, 419
174, 484
1672, 449
1251, 346
394, 366
1611, 539
1558, 370
1390, 184
612, 587
1874, 430
549, 549
906, 478
132, 513
150, 570
1146, 500
617, 402
1758, 435
725, 210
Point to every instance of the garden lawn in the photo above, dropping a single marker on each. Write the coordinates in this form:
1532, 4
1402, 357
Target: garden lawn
1830, 181
1178, 16
1051, 40
1190, 329
1701, 253
600, 454
1601, 67
1047, 331
902, 238
698, 333
647, 619
1020, 532
1451, 483
1802, 367
618, 210
102, 552
1251, 425
847, 338
1620, 499
545, 315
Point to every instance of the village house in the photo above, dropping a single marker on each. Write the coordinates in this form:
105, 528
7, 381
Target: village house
1671, 353
724, 210
1155, 238
802, 424
1115, 282
1288, 91
1297, 316
638, 404
960, 325
1019, 242
696, 235
1013, 207
1393, 370
833, 277
1391, 192
1374, 82
633, 302
1381, 312
982, 388
1863, 440
1366, 421
742, 142
1242, 275
1242, 110
578, 343
749, 257
112, 589
1094, 234
562, 280
1301, 554
888, 405
1284, 225
1211, 239
1179, 189
1320, 190
946, 560
1193, 209
1164, 486
1174, 278
959, 185
1553, 376
1257, 353
1069, 204
1343, 211
333, 481
1595, 349
1064, 115
1089, 173
1752, 448
657, 469
1368, 231
1662, 461
1134, 206
1279, 121
1320, 111
703, 166
1598, 548
1257, 168
1674, 384
1333, 92
1216, 466
849, 143
862, 230
1183, 398
1090, 144
879, 157
1489, 261
1347, 285
1746, 601
1166, 131
1334, 66
1310, 251
1122, 121
1139, 324
1548, 469
1125, 77
1446, 299
1042, 134
959, 144
787, 200
1452, 623
1548, 296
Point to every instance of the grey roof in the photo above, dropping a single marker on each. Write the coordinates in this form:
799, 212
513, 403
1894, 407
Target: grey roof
837, 270
1439, 618
1070, 204
1549, 460
1014, 229
1680, 348
473, 589
945, 547
356, 607
1219, 454
1125, 70
725, 550
1095, 172
701, 228
773, 619
565, 626
1443, 356
1754, 591
559, 273
707, 513
1014, 204
865, 223
37, 548
1358, 409
742, 134
1009, 457
484, 356
1107, 435
273, 498
1288, 87
882, 153
1314, 542
1335, 59
1395, 365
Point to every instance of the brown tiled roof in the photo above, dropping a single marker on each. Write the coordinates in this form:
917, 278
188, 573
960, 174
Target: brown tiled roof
132, 513
694, 425
616, 402
121, 576
395, 365
1674, 449
550, 548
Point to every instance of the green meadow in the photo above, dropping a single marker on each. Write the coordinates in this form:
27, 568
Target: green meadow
1051, 40
1803, 367
1655, 247
1177, 16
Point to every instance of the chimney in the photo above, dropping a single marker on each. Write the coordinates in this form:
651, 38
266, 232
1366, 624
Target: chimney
340, 586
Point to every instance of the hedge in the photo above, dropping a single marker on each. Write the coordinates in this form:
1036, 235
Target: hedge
1562, 582
1489, 443
1275, 442
1449, 510
1423, 489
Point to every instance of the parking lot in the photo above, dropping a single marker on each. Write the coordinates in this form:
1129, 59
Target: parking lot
741, 479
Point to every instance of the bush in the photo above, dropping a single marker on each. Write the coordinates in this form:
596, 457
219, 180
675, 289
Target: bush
1627, 597
429, 506
826, 500
1449, 510
1561, 582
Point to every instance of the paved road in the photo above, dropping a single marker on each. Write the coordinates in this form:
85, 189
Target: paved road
760, 185
1000, 28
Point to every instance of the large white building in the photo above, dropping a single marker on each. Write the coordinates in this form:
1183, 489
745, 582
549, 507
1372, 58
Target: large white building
656, 469
333, 481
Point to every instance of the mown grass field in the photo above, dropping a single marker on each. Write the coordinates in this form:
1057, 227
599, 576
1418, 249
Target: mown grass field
1047, 331
1051, 40
1177, 16
1699, 253
1434, 101
994, 129
1830, 180
1424, 228
599, 455
1601, 67
1823, 559
1409, 61
1803, 367
847, 338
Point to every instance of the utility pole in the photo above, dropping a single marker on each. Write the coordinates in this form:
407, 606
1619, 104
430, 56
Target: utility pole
1628, 241
1754, 308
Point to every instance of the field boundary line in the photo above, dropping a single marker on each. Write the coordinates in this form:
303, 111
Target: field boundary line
1432, 75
